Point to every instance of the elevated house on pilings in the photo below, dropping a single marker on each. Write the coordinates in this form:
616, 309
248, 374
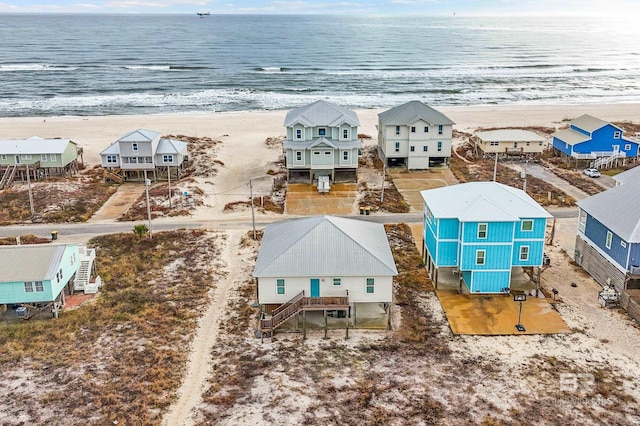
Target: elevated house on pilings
37, 157
144, 153
318, 267
508, 142
54, 271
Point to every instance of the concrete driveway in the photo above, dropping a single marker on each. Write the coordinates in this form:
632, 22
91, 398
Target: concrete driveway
410, 183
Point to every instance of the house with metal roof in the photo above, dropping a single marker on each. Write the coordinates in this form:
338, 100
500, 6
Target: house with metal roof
414, 135
144, 153
608, 236
53, 271
38, 156
506, 142
628, 176
324, 263
322, 140
482, 231
595, 142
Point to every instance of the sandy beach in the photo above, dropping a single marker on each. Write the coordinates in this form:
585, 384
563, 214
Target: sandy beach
246, 131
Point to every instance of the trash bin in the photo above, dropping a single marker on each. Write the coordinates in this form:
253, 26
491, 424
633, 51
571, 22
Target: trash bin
367, 210
54, 235
361, 210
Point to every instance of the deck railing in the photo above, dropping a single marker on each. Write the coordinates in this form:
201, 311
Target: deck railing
296, 304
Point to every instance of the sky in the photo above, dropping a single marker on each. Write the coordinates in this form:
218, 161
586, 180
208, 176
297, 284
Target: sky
376, 7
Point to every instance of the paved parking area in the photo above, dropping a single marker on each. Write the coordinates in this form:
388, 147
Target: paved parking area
304, 199
410, 183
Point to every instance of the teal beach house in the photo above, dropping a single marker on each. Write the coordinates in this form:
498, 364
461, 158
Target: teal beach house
481, 231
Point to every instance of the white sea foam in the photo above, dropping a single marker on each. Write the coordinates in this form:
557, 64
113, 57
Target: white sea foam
34, 67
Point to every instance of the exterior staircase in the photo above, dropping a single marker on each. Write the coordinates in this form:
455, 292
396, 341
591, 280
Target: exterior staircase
607, 161
299, 303
113, 175
7, 177
83, 280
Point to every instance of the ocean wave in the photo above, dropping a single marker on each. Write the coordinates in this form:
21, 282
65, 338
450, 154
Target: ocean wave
34, 67
161, 67
271, 69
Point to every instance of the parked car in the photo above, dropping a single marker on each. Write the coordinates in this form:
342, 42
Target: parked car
594, 173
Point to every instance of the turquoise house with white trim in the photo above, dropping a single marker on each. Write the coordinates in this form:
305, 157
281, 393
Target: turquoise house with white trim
481, 231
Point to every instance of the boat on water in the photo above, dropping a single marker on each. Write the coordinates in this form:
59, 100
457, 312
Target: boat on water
203, 14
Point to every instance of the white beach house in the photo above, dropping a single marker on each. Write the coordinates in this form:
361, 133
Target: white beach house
509, 142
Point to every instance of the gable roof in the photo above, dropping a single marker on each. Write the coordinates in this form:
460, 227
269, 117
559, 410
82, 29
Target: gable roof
158, 145
410, 112
618, 209
571, 136
482, 202
44, 261
321, 113
140, 135
628, 176
510, 135
34, 145
589, 123
324, 246
171, 146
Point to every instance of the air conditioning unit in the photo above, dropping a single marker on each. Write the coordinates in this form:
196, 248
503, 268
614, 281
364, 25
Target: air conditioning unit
635, 270
21, 312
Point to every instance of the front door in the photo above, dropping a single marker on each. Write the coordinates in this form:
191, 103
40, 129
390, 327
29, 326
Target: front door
17, 159
315, 287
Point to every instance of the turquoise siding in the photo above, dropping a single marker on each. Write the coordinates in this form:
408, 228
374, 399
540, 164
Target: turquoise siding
539, 228
447, 254
497, 232
448, 229
536, 249
495, 256
430, 241
489, 281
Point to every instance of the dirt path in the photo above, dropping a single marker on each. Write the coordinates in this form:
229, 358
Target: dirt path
118, 203
199, 363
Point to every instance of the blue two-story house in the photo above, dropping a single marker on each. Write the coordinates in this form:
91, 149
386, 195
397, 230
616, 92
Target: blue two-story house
589, 138
482, 230
608, 237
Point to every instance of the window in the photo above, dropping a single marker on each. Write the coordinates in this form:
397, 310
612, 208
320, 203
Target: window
566, 146
515, 144
345, 134
337, 282
370, 286
39, 286
494, 143
616, 135
26, 156
322, 131
345, 155
43, 157
134, 146
280, 286
627, 146
528, 143
440, 129
316, 152
526, 226
482, 230
609, 238
397, 130
4, 156
540, 143
148, 160
298, 134
480, 257
429, 214
52, 157
327, 153
167, 158
524, 253
425, 148
28, 287
298, 155
413, 129
413, 148
439, 146
623, 244
397, 146
426, 129
112, 159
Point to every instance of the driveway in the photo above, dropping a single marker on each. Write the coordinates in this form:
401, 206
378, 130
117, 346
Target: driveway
537, 171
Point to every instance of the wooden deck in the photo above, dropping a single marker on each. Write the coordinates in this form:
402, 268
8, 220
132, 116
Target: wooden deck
301, 303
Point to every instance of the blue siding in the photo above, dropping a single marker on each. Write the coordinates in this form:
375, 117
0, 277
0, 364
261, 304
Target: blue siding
579, 130
536, 249
448, 253
538, 231
634, 257
497, 232
597, 233
448, 229
561, 146
603, 140
490, 281
497, 257
430, 243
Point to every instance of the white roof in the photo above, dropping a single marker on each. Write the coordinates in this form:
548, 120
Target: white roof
618, 209
324, 246
570, 136
628, 175
589, 123
159, 146
171, 146
482, 202
321, 113
510, 135
140, 135
43, 260
410, 112
34, 145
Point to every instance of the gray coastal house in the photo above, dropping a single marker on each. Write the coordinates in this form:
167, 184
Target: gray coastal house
322, 140
414, 135
41, 157
143, 153
325, 263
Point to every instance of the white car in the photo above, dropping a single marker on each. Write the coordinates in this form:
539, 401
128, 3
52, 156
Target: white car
594, 173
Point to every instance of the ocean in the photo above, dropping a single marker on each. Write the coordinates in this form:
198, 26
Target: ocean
133, 64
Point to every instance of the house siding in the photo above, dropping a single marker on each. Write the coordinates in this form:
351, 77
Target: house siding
596, 232
447, 254
495, 256
536, 250
490, 281
497, 232
448, 228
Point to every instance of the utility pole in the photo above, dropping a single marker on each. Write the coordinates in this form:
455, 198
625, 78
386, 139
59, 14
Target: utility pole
169, 180
524, 184
384, 172
147, 182
253, 215
33, 211
495, 167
